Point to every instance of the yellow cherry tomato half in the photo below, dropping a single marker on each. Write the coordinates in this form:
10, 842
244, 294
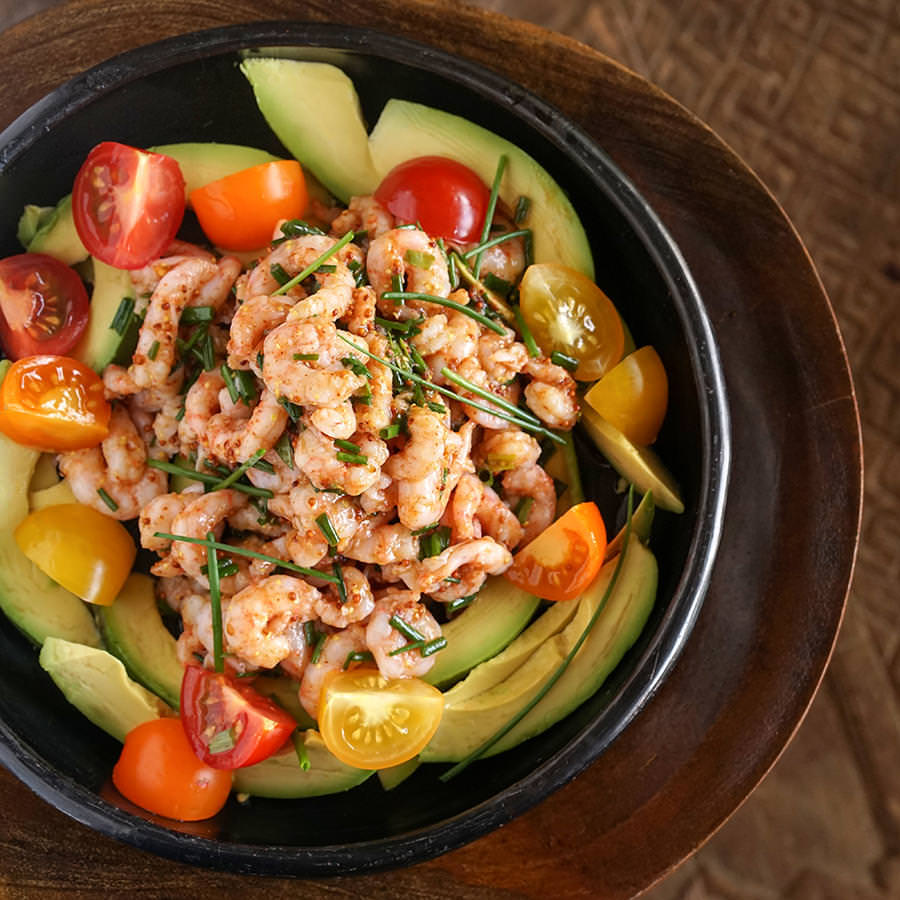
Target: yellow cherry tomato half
241, 211
86, 552
372, 722
568, 313
633, 396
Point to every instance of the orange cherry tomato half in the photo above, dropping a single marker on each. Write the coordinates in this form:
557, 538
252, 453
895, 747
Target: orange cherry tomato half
241, 211
230, 725
563, 560
633, 396
127, 204
158, 771
53, 403
43, 305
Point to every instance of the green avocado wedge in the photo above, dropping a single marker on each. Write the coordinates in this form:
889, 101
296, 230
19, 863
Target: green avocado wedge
469, 723
134, 632
100, 342
282, 777
96, 683
51, 230
34, 603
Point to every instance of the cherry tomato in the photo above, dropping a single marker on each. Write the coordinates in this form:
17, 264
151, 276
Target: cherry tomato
633, 396
44, 306
85, 551
567, 312
241, 211
229, 724
447, 198
565, 558
159, 772
372, 722
127, 204
53, 403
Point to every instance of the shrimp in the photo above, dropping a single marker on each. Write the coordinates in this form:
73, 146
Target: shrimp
381, 544
252, 321
234, 436
279, 481
389, 258
158, 515
471, 369
118, 468
360, 317
295, 255
383, 639
498, 521
501, 356
381, 497
463, 508
263, 623
338, 612
217, 289
532, 481
316, 457
500, 451
333, 656
507, 259
363, 214
338, 421
145, 280
446, 340
308, 506
172, 592
470, 561
551, 395
376, 414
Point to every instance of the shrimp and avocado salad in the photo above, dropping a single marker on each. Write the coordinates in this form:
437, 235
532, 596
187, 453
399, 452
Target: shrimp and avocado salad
339, 419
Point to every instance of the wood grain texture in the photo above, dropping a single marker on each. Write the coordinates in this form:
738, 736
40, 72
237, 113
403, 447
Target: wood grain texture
694, 753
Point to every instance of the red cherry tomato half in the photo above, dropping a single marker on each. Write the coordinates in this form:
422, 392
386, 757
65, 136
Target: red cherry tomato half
43, 306
447, 198
127, 204
230, 725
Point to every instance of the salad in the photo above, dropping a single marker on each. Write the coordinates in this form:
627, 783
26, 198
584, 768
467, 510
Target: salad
343, 431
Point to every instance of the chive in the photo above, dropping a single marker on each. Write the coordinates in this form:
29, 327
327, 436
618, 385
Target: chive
221, 742
412, 645
107, 499
229, 383
180, 414
317, 650
122, 319
529, 249
523, 205
498, 285
197, 315
460, 603
215, 601
571, 458
526, 424
279, 274
397, 285
434, 543
357, 459
330, 490
419, 258
294, 411
314, 264
561, 359
243, 551
284, 450
436, 407
560, 669
389, 432
487, 395
229, 480
492, 206
523, 508
310, 633
452, 579
433, 646
356, 367
260, 359
525, 331
364, 398
264, 466
226, 567
327, 529
302, 756
357, 656
498, 303
154, 349
425, 530
298, 228
346, 445
341, 587
392, 325
486, 243
418, 362
306, 357
205, 352
327, 269
245, 384
407, 630
451, 304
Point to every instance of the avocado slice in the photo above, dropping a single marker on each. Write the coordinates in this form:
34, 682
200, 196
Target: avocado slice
496, 615
281, 776
285, 692
134, 632
96, 683
44, 474
51, 230
51, 496
469, 722
396, 775
638, 465
641, 526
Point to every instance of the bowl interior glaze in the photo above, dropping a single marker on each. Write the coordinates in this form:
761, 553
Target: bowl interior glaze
190, 89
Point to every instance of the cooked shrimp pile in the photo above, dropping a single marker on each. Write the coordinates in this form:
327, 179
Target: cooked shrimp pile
407, 496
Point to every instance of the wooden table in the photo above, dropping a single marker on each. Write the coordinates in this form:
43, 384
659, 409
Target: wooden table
756, 655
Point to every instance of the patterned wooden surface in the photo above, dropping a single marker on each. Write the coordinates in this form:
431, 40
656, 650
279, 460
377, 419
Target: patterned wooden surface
808, 92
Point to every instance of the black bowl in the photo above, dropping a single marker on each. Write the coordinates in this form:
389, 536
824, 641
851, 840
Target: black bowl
190, 89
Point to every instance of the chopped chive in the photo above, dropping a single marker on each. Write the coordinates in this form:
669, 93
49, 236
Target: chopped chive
460, 603
452, 579
365, 397
397, 285
523, 205
239, 471
389, 432
284, 450
180, 414
245, 383
395, 326
197, 315
434, 645
317, 649
418, 362
341, 587
298, 228
260, 359
221, 742
205, 352
407, 630
229, 383
315, 264
436, 407
560, 669
264, 466
357, 459
215, 601
294, 411
327, 529
412, 645
523, 508
243, 551
302, 756
154, 349
327, 269
576, 491
122, 319
486, 243
357, 656
492, 206
419, 258
529, 249
496, 284
279, 274
451, 304
330, 490
527, 337
306, 357
346, 445
434, 543
497, 303
226, 567
561, 359
487, 395
356, 367
107, 499
425, 530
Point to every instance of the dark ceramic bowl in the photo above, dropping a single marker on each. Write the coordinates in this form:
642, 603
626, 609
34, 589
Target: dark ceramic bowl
190, 89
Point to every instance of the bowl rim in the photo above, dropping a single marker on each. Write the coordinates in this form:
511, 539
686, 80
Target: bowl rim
673, 628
